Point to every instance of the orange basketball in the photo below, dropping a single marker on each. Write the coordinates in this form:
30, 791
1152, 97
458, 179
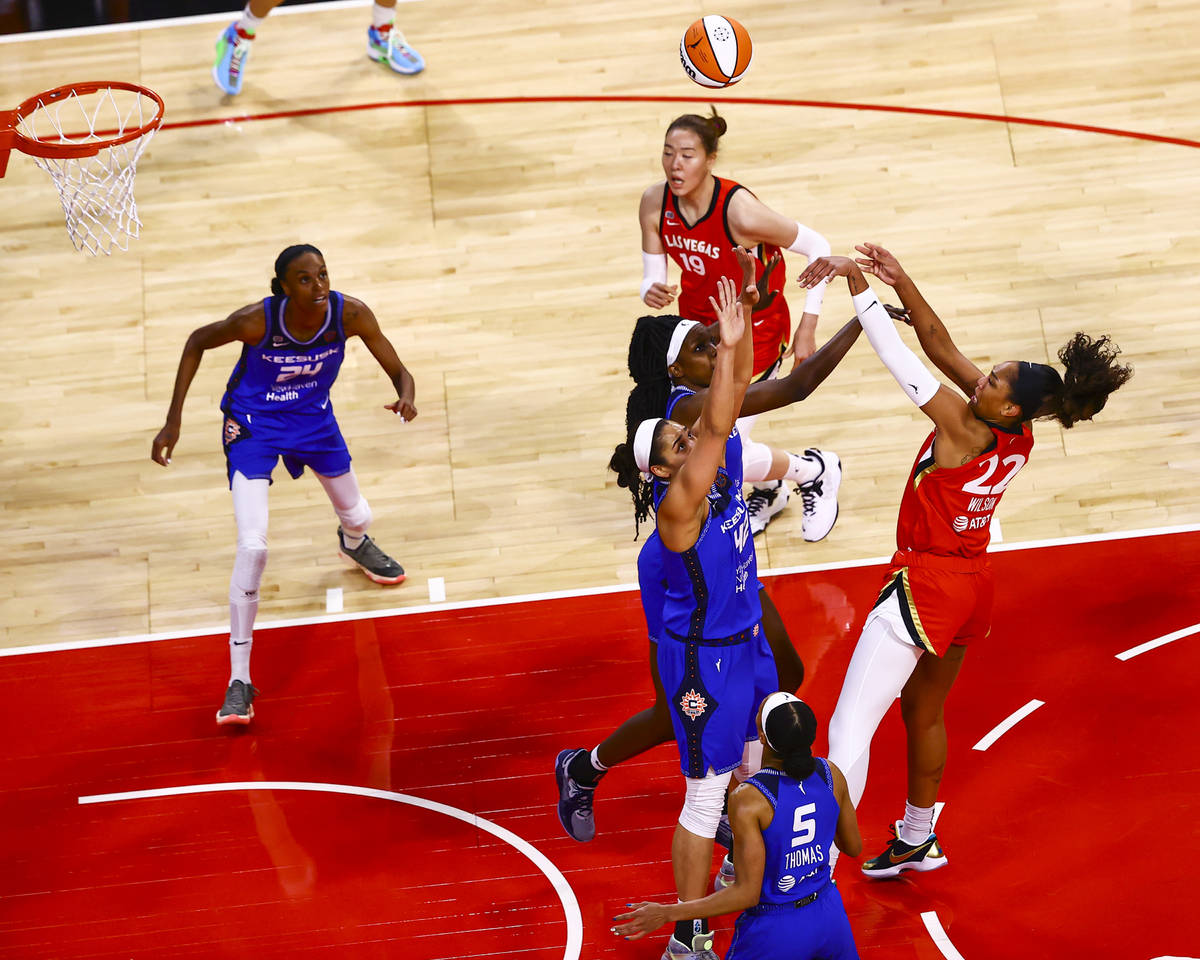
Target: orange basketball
715, 51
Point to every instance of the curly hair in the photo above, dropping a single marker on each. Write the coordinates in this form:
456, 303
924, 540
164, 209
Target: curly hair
1092, 374
709, 129
630, 477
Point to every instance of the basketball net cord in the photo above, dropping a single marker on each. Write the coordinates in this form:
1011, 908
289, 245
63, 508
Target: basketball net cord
96, 192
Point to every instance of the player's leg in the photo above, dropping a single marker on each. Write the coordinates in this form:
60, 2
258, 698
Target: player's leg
578, 771
235, 43
386, 44
788, 665
691, 860
250, 511
354, 513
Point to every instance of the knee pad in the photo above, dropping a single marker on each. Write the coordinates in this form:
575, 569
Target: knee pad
756, 460
751, 761
357, 517
248, 568
702, 805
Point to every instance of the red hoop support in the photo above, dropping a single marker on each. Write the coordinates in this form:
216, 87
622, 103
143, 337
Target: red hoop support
12, 139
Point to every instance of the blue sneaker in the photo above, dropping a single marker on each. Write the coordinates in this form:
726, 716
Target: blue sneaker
233, 51
574, 800
389, 46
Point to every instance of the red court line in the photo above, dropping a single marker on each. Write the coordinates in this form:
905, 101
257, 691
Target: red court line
755, 101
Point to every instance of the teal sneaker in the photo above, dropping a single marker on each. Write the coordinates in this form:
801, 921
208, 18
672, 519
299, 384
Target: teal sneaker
389, 46
233, 51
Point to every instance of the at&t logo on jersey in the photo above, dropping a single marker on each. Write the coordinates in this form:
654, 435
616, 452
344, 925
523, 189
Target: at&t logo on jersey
692, 704
786, 882
961, 524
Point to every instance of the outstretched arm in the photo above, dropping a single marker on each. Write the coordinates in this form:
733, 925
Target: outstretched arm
360, 321
246, 325
931, 332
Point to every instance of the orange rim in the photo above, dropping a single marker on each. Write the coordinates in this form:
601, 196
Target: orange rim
13, 138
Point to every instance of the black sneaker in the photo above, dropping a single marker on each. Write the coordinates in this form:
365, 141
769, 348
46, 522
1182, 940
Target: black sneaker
239, 704
574, 800
371, 560
900, 856
763, 503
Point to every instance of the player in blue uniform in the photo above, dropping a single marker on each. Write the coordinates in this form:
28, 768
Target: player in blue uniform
785, 818
277, 405
712, 655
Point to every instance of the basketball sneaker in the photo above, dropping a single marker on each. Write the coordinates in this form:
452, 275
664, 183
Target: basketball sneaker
900, 856
387, 45
233, 52
820, 495
239, 704
724, 832
763, 503
574, 799
726, 876
371, 560
701, 949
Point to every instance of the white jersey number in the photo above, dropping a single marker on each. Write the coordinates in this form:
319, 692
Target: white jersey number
298, 370
979, 484
805, 827
693, 262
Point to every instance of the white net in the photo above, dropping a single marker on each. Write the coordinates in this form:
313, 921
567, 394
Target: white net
96, 192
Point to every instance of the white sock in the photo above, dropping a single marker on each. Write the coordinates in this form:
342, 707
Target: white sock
239, 660
917, 825
382, 16
353, 541
596, 760
802, 469
249, 23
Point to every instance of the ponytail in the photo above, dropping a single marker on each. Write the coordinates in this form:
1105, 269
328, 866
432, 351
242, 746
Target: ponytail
790, 730
1092, 374
630, 477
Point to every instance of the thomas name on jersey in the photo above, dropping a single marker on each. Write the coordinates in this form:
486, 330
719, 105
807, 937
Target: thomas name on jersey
805, 857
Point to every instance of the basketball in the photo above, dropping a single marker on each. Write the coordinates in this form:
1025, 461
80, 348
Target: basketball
715, 51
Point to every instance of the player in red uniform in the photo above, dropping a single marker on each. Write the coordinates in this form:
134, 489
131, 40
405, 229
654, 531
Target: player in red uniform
697, 219
937, 594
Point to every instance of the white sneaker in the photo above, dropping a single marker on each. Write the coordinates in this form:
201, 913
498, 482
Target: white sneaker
763, 503
726, 876
820, 495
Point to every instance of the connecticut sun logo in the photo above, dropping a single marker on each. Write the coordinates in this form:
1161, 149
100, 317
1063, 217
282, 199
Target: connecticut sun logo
233, 430
693, 704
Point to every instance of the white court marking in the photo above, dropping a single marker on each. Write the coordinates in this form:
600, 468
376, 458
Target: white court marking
1007, 724
437, 589
218, 630
934, 926
334, 600
1158, 642
565, 894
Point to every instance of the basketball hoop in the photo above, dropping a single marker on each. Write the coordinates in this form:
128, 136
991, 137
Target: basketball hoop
88, 137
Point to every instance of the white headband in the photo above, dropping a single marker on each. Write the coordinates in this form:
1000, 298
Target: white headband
643, 440
677, 337
773, 701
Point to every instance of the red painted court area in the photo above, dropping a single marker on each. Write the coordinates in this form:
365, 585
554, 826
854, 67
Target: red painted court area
1073, 835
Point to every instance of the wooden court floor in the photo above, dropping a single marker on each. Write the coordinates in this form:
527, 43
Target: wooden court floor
497, 242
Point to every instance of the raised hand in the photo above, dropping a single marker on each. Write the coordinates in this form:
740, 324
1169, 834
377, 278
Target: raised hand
728, 308
752, 292
767, 297
826, 268
880, 263
660, 295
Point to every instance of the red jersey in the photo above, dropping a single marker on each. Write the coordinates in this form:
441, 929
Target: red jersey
946, 511
704, 252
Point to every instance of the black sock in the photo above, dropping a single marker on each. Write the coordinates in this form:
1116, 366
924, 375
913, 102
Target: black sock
685, 930
580, 769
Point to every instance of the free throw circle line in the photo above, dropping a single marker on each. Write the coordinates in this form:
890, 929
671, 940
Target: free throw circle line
1007, 724
566, 895
1158, 642
938, 933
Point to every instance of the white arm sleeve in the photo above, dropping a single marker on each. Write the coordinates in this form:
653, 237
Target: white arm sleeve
654, 270
812, 245
917, 382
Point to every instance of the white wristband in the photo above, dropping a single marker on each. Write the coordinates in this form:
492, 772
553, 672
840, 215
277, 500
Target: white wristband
812, 245
654, 270
917, 382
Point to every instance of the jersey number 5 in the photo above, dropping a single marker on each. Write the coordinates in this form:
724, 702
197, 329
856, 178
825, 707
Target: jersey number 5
804, 826
979, 484
298, 370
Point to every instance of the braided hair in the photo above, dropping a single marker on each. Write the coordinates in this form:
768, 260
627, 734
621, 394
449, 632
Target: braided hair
790, 729
648, 399
1092, 373
284, 260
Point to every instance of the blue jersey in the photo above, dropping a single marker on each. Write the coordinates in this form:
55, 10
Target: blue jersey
800, 834
652, 584
281, 374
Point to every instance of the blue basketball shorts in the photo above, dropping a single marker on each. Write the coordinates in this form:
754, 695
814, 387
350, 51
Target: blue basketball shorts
816, 931
254, 442
713, 689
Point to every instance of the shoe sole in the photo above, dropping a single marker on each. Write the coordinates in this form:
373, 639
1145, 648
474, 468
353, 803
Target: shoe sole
373, 576
383, 58
559, 776
235, 718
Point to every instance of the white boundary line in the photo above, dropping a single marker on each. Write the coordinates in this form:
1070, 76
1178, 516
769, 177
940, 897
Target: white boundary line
1158, 642
566, 895
941, 941
1007, 724
139, 25
217, 630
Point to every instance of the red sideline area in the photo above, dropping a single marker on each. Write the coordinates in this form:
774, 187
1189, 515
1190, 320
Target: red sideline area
1072, 836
